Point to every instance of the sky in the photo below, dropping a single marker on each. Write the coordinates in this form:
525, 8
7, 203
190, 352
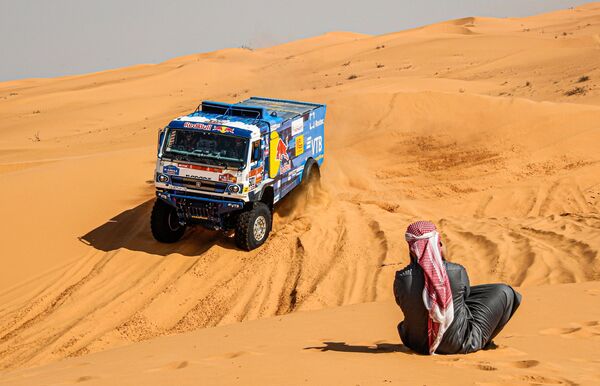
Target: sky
47, 38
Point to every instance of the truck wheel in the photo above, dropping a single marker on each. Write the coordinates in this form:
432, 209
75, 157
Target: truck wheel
165, 223
311, 173
253, 227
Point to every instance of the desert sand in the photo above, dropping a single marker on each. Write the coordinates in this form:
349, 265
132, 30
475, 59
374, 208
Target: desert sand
488, 127
336, 346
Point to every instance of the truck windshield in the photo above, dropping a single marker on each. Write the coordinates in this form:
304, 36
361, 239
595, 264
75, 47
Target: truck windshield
204, 147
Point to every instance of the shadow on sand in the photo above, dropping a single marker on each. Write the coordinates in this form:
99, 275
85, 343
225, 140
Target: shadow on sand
131, 230
379, 348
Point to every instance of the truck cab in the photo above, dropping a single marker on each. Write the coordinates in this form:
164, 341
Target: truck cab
225, 166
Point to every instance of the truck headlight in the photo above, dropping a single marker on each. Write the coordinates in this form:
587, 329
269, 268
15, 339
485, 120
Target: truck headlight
234, 188
162, 178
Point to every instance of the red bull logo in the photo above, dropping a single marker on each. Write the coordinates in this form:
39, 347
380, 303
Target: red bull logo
206, 126
223, 129
282, 150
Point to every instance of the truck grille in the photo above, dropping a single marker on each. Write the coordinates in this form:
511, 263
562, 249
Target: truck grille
197, 184
196, 212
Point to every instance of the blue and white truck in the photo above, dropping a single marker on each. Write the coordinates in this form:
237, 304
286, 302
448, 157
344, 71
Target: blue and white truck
225, 166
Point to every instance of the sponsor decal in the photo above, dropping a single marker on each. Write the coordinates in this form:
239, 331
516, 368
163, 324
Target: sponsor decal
256, 171
196, 125
307, 142
208, 127
317, 145
278, 155
259, 179
198, 167
297, 126
171, 170
273, 161
282, 151
317, 123
224, 129
171, 141
227, 177
299, 145
286, 167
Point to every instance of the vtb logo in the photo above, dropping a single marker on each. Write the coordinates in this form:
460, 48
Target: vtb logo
317, 145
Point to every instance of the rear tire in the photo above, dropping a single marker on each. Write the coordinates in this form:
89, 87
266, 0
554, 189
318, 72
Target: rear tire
311, 174
164, 223
253, 226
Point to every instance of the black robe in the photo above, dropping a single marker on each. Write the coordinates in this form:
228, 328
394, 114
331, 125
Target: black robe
480, 312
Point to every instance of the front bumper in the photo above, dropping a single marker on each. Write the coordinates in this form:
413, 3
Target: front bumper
209, 211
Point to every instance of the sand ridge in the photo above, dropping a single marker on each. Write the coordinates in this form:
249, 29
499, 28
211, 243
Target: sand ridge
498, 146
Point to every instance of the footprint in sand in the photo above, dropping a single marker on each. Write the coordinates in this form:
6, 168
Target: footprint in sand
560, 331
525, 364
588, 329
534, 379
593, 292
177, 365
456, 362
484, 366
487, 366
85, 378
232, 355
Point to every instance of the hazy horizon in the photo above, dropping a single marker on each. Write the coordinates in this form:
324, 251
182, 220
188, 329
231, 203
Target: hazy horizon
69, 37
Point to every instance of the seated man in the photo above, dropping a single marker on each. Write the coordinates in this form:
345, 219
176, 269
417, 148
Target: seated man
442, 313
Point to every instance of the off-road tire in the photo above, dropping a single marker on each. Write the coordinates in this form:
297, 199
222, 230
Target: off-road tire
164, 223
311, 173
245, 235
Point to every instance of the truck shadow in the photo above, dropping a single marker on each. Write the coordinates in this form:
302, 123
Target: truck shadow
131, 230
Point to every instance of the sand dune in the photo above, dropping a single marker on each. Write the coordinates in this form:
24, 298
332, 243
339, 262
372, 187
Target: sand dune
498, 146
351, 345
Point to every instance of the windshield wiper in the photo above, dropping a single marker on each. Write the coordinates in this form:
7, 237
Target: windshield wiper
217, 157
184, 156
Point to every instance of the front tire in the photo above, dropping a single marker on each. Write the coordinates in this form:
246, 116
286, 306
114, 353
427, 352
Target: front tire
164, 223
253, 226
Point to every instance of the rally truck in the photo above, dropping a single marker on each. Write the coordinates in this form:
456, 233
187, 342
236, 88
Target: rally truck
225, 166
